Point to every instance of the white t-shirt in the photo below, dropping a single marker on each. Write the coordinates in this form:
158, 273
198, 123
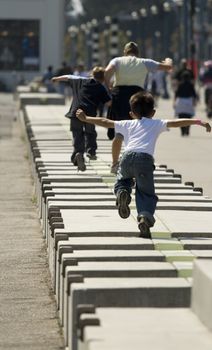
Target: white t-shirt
140, 135
131, 70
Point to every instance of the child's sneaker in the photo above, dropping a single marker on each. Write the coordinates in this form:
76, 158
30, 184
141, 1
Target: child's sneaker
80, 162
123, 200
143, 226
91, 156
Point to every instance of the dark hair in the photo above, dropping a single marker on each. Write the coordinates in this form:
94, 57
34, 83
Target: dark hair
98, 73
131, 48
142, 104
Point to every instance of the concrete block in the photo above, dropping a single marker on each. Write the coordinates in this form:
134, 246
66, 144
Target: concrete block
105, 292
123, 329
201, 302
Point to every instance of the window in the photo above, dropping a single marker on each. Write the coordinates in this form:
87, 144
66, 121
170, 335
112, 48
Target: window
19, 45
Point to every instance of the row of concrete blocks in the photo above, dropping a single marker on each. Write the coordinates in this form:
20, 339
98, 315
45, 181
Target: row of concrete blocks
116, 270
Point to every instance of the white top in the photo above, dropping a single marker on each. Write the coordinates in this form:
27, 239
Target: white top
131, 70
140, 135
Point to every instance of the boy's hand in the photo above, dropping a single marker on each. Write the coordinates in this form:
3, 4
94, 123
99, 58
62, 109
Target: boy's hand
54, 79
208, 127
80, 115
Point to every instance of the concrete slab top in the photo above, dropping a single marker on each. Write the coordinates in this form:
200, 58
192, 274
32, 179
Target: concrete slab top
99, 220
186, 221
148, 282
120, 266
116, 254
122, 328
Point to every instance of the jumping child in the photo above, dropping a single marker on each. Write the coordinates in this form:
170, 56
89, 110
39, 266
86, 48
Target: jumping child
137, 162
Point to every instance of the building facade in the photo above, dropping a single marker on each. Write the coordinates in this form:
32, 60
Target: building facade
31, 38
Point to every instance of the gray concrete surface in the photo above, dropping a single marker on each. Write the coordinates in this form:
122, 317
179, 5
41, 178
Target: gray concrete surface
149, 330
28, 317
52, 146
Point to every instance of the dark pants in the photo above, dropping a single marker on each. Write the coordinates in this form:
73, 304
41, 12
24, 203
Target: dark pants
84, 138
185, 129
120, 107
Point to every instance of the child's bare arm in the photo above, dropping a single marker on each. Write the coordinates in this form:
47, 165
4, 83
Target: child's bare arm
106, 123
60, 78
187, 122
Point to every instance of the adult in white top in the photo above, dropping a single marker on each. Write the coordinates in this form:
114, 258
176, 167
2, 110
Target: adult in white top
129, 74
137, 162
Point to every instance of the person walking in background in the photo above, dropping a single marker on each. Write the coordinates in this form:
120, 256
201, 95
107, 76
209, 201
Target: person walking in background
63, 70
140, 135
129, 73
88, 93
206, 80
185, 101
155, 84
178, 74
47, 79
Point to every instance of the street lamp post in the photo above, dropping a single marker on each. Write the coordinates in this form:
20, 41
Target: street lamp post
73, 31
154, 12
143, 15
166, 33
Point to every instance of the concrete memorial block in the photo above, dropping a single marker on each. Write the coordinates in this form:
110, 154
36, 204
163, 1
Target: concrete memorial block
178, 255
204, 254
201, 302
40, 98
167, 244
187, 223
184, 268
201, 243
185, 198
123, 329
65, 254
115, 292
109, 269
98, 222
96, 243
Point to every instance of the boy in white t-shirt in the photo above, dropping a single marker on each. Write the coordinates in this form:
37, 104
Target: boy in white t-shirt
137, 162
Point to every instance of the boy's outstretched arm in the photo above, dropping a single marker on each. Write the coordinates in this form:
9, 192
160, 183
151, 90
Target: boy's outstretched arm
187, 122
106, 123
60, 78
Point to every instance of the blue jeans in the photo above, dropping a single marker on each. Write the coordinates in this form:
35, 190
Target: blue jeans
84, 137
138, 166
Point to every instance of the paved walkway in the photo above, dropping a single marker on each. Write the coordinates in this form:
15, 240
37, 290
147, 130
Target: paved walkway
28, 318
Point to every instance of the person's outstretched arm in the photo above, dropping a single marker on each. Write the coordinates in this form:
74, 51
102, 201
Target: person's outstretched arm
106, 123
60, 78
67, 77
187, 122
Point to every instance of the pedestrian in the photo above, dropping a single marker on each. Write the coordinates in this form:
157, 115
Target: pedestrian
178, 74
185, 101
206, 80
137, 162
88, 94
129, 73
47, 79
63, 70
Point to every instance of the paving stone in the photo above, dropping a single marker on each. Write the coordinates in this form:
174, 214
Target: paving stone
206, 254
123, 329
178, 255
201, 302
105, 292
